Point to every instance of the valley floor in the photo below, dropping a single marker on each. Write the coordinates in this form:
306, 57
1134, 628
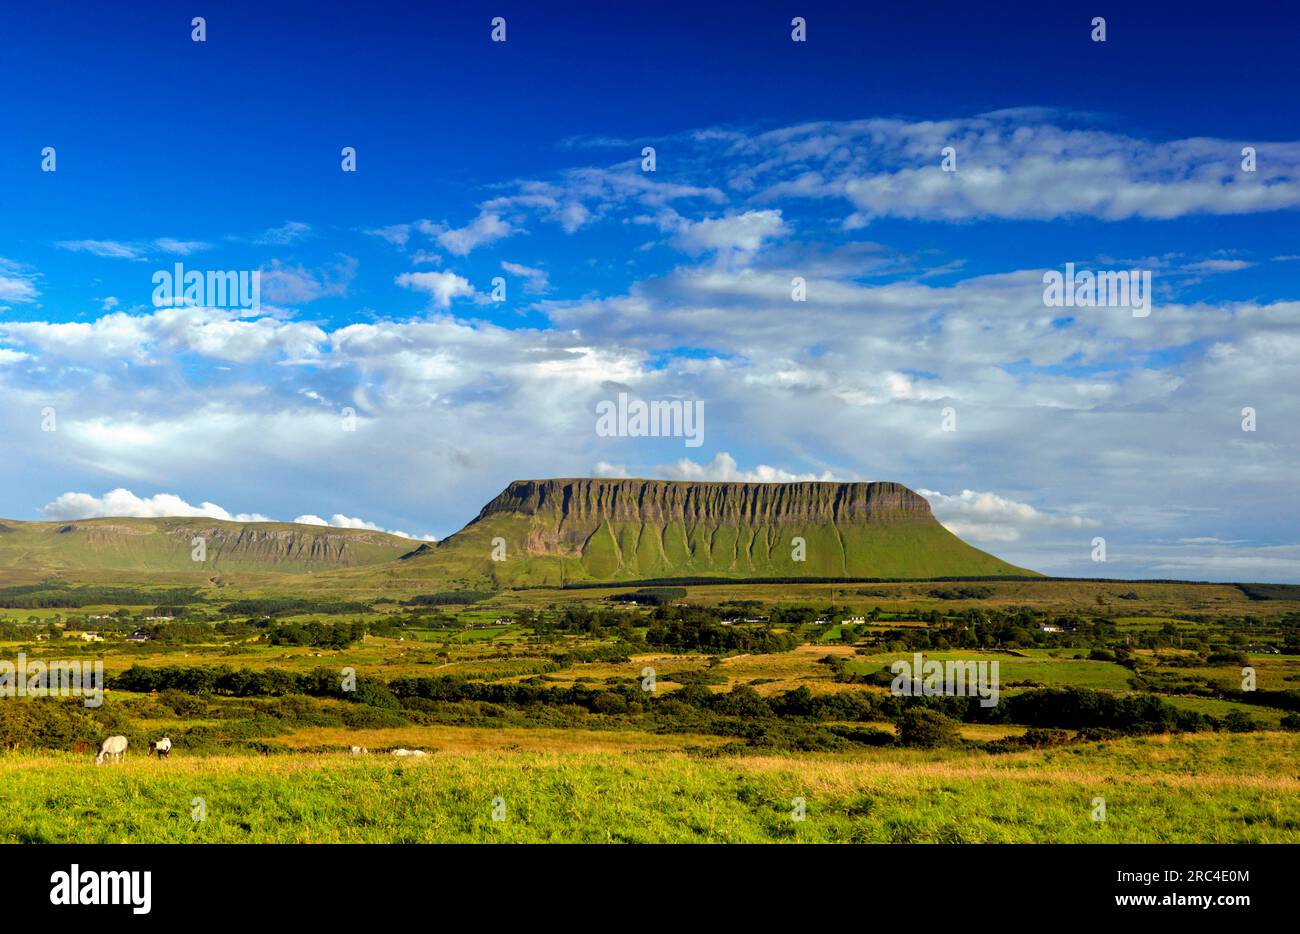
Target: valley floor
1193, 788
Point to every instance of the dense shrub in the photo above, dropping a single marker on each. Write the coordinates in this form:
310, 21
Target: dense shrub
59, 723
927, 729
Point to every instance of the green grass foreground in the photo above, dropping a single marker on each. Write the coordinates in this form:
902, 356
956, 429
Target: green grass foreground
1195, 788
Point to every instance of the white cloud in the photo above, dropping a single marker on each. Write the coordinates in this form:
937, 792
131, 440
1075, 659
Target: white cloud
340, 521
396, 234
740, 232
296, 285
988, 517
1217, 265
723, 468
286, 233
136, 251
536, 281
180, 247
148, 340
109, 249
444, 287
1010, 164
17, 283
487, 227
122, 503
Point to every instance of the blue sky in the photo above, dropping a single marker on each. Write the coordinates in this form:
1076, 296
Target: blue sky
775, 159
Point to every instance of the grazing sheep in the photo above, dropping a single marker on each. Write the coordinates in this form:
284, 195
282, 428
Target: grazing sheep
409, 752
357, 751
162, 748
114, 748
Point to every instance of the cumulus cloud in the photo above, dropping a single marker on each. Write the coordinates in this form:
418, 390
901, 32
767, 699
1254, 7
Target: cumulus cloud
443, 287
150, 339
122, 503
488, 227
340, 521
722, 468
744, 233
988, 517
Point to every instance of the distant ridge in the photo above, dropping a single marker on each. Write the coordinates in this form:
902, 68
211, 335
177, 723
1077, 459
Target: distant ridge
165, 544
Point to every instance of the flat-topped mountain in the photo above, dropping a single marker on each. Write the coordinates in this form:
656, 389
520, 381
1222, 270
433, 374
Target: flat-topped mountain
550, 532
166, 544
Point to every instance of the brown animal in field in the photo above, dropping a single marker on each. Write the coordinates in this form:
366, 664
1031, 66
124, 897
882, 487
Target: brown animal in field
81, 748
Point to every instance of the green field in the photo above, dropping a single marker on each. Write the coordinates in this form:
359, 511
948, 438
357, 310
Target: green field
1163, 790
1100, 676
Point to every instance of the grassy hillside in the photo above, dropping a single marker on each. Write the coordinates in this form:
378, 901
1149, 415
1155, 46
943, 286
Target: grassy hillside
645, 550
166, 545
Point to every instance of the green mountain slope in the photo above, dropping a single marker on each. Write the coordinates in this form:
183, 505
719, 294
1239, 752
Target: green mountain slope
587, 530
165, 545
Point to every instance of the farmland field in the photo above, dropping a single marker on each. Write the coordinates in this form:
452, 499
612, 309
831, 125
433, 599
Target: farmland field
712, 713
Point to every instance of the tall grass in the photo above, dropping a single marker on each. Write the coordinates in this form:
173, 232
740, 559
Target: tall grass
1198, 788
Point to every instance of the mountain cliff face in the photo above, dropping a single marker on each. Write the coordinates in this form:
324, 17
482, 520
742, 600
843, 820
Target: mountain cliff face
734, 503
575, 530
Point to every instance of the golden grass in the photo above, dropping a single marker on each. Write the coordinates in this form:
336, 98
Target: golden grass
464, 740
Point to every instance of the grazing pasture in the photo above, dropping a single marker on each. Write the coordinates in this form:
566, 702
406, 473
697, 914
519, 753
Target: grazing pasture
1220, 788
